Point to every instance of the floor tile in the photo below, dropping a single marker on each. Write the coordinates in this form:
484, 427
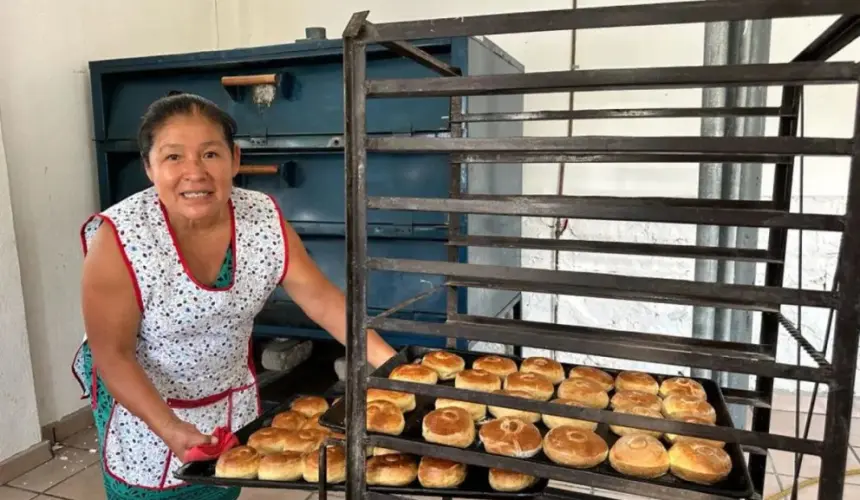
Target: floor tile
273, 494
66, 463
85, 485
774, 484
7, 493
85, 440
783, 461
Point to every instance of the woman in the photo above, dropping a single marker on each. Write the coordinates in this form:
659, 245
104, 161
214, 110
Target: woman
172, 279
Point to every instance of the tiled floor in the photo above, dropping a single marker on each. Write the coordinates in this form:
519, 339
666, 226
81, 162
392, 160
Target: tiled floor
74, 474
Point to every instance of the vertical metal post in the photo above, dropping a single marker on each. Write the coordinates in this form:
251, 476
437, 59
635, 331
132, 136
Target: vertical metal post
355, 157
454, 226
840, 400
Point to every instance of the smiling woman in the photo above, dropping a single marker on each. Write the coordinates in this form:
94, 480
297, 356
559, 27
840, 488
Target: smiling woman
173, 278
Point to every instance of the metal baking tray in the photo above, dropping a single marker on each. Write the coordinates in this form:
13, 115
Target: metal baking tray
737, 485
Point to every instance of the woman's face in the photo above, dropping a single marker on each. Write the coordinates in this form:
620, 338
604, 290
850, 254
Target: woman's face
192, 167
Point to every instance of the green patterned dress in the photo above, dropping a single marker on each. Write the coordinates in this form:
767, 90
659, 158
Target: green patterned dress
117, 490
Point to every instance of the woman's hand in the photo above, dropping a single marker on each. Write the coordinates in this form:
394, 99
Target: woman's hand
181, 436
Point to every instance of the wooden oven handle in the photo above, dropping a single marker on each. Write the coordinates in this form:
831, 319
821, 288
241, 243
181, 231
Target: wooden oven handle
246, 80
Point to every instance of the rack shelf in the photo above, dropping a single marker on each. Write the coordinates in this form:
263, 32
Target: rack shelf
758, 359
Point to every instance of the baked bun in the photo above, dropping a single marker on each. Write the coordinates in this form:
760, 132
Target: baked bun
313, 423
289, 420
477, 380
385, 417
287, 466
625, 399
595, 375
391, 470
585, 392
508, 480
684, 386
335, 462
539, 386
501, 412
478, 411
446, 364
304, 441
269, 440
440, 473
642, 411
553, 421
636, 381
675, 438
572, 447
549, 368
404, 400
309, 405
241, 462
449, 426
419, 374
677, 406
699, 463
497, 365
639, 456
510, 436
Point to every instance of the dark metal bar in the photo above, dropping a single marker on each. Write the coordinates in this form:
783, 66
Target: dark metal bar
486, 157
607, 17
840, 398
809, 73
792, 330
615, 247
778, 146
621, 210
574, 340
597, 114
744, 397
421, 57
355, 156
454, 220
836, 37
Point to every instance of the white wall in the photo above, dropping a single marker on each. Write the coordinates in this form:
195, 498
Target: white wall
18, 416
45, 45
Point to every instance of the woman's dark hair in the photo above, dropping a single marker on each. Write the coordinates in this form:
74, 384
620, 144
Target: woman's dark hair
181, 104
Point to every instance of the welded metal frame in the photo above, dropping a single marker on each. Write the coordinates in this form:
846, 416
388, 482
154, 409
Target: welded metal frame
755, 359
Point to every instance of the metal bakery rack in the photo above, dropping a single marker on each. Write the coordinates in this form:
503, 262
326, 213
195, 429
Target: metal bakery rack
759, 360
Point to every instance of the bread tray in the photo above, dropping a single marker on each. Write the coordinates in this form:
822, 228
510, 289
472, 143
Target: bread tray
737, 485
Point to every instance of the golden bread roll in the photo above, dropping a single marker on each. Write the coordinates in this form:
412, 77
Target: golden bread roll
636, 381
585, 392
419, 374
678, 406
639, 456
269, 440
478, 411
304, 440
595, 375
497, 365
440, 473
449, 426
642, 411
241, 462
699, 463
385, 417
335, 461
287, 466
391, 470
537, 385
309, 405
289, 420
572, 447
501, 412
553, 421
314, 424
404, 400
508, 480
549, 368
684, 386
477, 380
676, 438
446, 364
510, 436
378, 452
624, 399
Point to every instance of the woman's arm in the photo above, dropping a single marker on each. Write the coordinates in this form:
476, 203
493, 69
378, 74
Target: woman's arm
112, 320
323, 302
